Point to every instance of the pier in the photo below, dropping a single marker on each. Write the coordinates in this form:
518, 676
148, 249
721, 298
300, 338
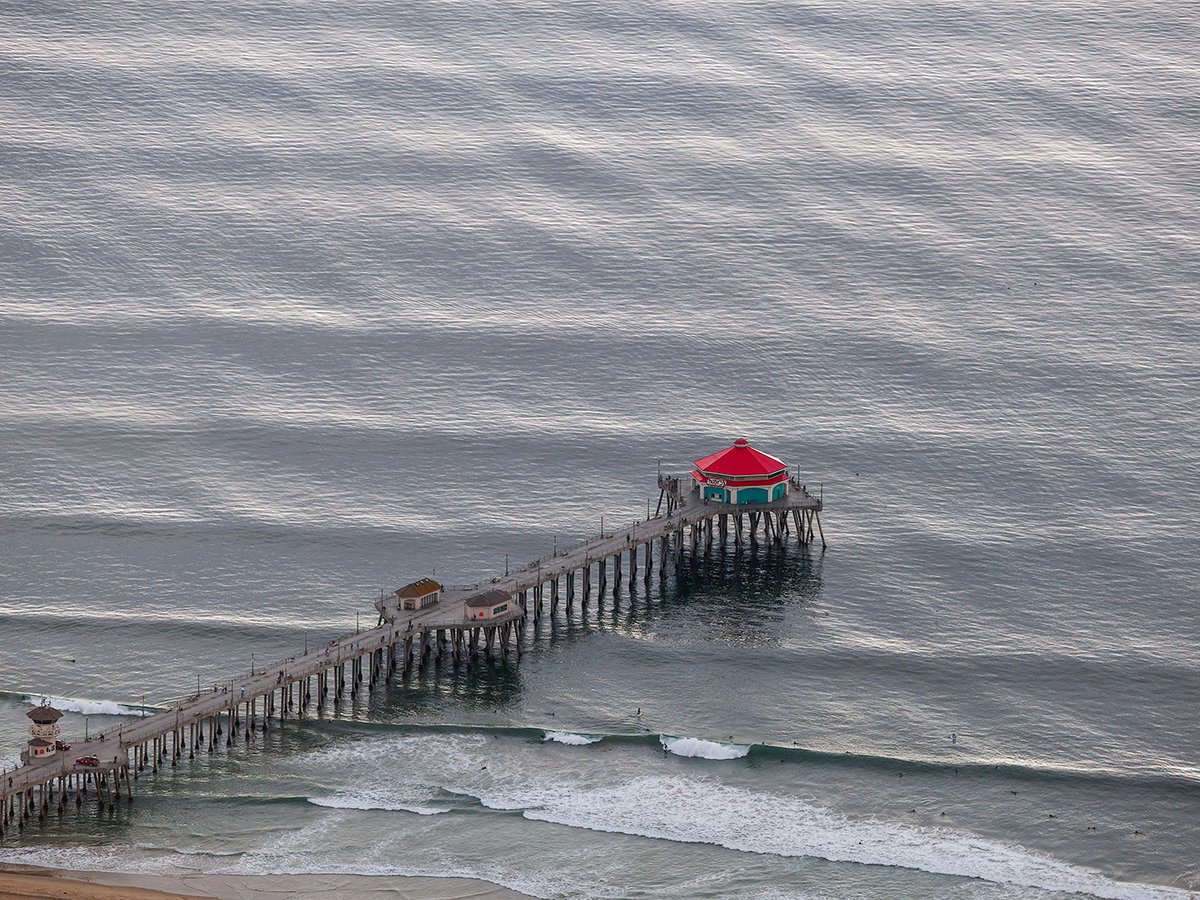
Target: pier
466, 624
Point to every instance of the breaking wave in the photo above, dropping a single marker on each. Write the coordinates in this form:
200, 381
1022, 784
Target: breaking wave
571, 739
698, 747
89, 707
700, 805
696, 810
774, 749
638, 794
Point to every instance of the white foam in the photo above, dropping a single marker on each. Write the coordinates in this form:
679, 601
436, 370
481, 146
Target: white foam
573, 740
697, 747
374, 803
291, 853
700, 805
89, 707
306, 850
87, 859
700, 810
305, 866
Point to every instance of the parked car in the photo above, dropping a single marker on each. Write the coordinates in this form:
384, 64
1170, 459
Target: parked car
61, 745
88, 761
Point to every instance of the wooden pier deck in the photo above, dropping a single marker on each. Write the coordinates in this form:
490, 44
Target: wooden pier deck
401, 640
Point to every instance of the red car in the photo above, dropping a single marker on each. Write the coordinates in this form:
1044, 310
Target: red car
88, 761
61, 745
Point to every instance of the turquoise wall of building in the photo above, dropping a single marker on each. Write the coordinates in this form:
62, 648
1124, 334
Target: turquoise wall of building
745, 494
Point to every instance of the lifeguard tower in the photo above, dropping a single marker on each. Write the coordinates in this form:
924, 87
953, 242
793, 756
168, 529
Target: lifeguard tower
43, 731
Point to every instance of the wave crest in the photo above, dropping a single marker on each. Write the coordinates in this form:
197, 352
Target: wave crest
571, 739
89, 707
365, 803
702, 749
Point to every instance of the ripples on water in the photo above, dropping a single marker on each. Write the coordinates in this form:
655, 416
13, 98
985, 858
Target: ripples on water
298, 301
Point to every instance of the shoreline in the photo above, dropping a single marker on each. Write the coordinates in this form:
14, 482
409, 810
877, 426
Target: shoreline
20, 882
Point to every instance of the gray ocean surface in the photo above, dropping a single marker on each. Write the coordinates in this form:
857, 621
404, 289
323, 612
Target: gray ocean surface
302, 300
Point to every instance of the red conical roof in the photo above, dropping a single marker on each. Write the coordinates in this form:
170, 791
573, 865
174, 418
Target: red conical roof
739, 461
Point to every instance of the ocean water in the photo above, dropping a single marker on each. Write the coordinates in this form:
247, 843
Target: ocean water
301, 300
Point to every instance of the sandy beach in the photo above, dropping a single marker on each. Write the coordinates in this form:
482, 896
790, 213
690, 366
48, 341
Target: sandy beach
28, 882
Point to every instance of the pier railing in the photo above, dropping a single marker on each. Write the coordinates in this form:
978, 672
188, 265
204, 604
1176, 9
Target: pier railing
189, 717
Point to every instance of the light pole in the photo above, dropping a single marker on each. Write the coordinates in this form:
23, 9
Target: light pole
602, 526
251, 662
306, 643
556, 545
85, 729
197, 684
506, 564
356, 622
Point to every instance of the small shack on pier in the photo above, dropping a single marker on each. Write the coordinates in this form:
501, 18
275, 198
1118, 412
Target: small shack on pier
39, 747
419, 594
741, 474
488, 605
43, 731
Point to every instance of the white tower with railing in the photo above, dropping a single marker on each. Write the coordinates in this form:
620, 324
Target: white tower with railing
43, 731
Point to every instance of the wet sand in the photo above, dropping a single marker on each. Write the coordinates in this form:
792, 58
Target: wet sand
28, 883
